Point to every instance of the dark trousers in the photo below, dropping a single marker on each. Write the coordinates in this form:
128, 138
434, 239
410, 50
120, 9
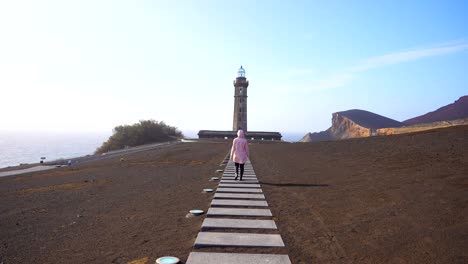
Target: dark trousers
241, 169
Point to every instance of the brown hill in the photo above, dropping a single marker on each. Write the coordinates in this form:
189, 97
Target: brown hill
368, 119
456, 110
351, 124
317, 136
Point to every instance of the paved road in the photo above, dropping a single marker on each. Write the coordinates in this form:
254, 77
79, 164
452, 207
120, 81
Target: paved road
32, 169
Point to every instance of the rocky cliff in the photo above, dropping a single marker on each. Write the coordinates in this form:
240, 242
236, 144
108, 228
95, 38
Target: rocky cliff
358, 123
351, 124
456, 110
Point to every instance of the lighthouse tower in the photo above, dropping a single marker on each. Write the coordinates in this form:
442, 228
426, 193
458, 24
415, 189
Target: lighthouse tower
240, 101
240, 116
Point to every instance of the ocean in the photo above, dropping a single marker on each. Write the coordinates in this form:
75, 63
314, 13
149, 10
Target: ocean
16, 148
25, 147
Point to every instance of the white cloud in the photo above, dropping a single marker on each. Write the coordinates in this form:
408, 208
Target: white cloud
345, 76
404, 56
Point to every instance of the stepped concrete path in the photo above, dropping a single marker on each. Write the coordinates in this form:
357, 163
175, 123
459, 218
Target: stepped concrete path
251, 173
245, 178
245, 174
238, 239
244, 181
254, 224
234, 172
239, 190
239, 185
231, 202
239, 195
211, 223
238, 212
230, 258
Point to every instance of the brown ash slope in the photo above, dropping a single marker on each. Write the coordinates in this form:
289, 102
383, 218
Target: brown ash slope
393, 199
456, 110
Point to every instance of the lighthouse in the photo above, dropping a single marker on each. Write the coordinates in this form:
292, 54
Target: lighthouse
239, 120
240, 101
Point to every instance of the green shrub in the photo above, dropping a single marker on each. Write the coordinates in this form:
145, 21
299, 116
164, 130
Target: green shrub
144, 132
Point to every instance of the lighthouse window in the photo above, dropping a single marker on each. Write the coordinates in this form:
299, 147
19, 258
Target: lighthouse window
240, 90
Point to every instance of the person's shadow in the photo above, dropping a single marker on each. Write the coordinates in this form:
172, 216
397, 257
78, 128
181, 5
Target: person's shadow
293, 184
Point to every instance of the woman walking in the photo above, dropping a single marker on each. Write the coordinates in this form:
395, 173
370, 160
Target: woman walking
240, 153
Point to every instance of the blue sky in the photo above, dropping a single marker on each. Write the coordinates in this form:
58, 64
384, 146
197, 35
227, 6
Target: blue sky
88, 66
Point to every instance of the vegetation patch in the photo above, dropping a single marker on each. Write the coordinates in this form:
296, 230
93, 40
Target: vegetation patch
144, 132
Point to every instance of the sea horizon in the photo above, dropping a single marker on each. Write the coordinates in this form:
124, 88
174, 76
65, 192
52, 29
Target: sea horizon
28, 147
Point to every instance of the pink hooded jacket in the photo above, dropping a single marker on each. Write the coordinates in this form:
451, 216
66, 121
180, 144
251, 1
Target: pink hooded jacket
240, 148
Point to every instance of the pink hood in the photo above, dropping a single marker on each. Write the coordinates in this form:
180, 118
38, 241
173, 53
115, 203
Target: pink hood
240, 148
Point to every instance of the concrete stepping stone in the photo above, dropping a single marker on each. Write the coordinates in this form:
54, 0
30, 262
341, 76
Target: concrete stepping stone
238, 212
240, 185
236, 258
245, 172
233, 174
244, 181
243, 177
239, 195
230, 202
205, 239
250, 178
211, 223
239, 190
